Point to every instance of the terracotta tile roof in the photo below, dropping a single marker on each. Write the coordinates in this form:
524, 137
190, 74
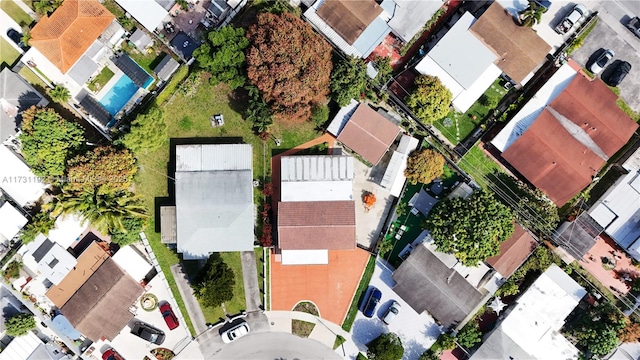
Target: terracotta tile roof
513, 252
65, 35
315, 225
100, 308
553, 159
368, 133
88, 262
520, 49
349, 18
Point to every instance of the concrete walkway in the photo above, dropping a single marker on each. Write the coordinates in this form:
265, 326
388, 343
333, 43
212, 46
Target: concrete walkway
25, 8
324, 331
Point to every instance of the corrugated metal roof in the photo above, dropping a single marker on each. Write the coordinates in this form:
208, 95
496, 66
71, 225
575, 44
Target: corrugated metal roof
317, 168
394, 178
341, 118
372, 36
213, 157
409, 16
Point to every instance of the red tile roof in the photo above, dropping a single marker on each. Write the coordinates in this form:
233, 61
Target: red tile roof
349, 18
513, 252
65, 35
553, 159
316, 225
368, 133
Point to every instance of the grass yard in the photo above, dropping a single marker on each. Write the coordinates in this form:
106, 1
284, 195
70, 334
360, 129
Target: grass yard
8, 55
238, 303
463, 124
146, 60
101, 79
302, 328
152, 178
31, 77
479, 166
362, 287
16, 13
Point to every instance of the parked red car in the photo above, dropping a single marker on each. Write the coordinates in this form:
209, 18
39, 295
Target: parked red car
169, 317
111, 355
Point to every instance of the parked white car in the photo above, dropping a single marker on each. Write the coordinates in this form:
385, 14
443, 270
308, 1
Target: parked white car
235, 332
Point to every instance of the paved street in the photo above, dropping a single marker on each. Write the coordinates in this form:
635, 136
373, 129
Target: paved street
275, 345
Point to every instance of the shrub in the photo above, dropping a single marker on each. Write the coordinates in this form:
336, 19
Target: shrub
386, 347
20, 324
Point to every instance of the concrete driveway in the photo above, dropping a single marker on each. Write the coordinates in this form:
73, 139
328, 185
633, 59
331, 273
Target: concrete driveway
6, 23
417, 331
625, 46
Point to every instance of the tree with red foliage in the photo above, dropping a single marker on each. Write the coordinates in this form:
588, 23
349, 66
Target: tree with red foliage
289, 63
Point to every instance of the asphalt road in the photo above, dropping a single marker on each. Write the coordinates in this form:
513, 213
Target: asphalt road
275, 345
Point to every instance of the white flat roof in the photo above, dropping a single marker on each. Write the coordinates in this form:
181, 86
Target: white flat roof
428, 66
532, 109
305, 257
468, 97
342, 117
53, 261
129, 259
148, 13
21, 347
68, 229
461, 54
17, 180
11, 221
393, 178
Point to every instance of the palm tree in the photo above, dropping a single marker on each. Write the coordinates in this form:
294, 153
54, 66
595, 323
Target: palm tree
59, 93
44, 7
105, 212
26, 36
531, 15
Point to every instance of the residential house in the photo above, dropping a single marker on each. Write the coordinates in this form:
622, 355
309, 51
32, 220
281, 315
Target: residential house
617, 211
364, 131
513, 252
531, 328
393, 178
221, 12
316, 213
133, 262
561, 149
100, 308
214, 209
11, 222
16, 179
358, 27
432, 281
491, 45
149, 14
165, 68
47, 260
16, 95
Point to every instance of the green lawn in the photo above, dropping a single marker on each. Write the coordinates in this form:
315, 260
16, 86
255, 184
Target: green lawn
16, 13
189, 117
146, 60
8, 55
101, 79
31, 77
362, 287
479, 166
463, 124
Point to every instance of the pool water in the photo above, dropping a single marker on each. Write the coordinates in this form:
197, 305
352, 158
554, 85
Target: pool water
119, 94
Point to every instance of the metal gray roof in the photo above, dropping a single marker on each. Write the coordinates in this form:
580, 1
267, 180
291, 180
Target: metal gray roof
317, 168
213, 157
166, 67
15, 94
410, 16
140, 39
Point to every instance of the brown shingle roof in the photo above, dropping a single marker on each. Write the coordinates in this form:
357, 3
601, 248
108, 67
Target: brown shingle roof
69, 31
519, 48
100, 308
316, 225
368, 133
349, 18
513, 252
553, 159
88, 262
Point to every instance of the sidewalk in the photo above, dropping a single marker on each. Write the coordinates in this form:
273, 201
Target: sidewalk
324, 331
25, 8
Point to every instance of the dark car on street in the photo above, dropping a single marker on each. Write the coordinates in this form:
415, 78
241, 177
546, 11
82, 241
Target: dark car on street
371, 302
148, 332
16, 37
618, 74
169, 317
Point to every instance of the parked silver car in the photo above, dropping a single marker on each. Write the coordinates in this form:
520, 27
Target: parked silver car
391, 312
601, 61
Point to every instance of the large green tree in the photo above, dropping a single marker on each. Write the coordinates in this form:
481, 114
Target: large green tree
597, 330
48, 141
289, 63
20, 324
105, 169
222, 54
387, 346
531, 15
214, 283
429, 100
423, 166
348, 79
148, 132
471, 229
41, 223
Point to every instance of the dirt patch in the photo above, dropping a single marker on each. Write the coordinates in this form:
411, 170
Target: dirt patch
301, 328
307, 307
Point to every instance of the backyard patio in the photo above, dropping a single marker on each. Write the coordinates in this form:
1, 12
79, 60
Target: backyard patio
608, 263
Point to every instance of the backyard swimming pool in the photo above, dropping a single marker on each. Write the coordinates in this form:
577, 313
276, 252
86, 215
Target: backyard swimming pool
121, 92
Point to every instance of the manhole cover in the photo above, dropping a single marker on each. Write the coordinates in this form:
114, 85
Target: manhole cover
447, 122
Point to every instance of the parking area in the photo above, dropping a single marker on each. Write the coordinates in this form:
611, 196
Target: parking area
177, 340
603, 37
417, 331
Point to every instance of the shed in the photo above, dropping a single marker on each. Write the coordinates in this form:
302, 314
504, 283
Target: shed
166, 67
141, 40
